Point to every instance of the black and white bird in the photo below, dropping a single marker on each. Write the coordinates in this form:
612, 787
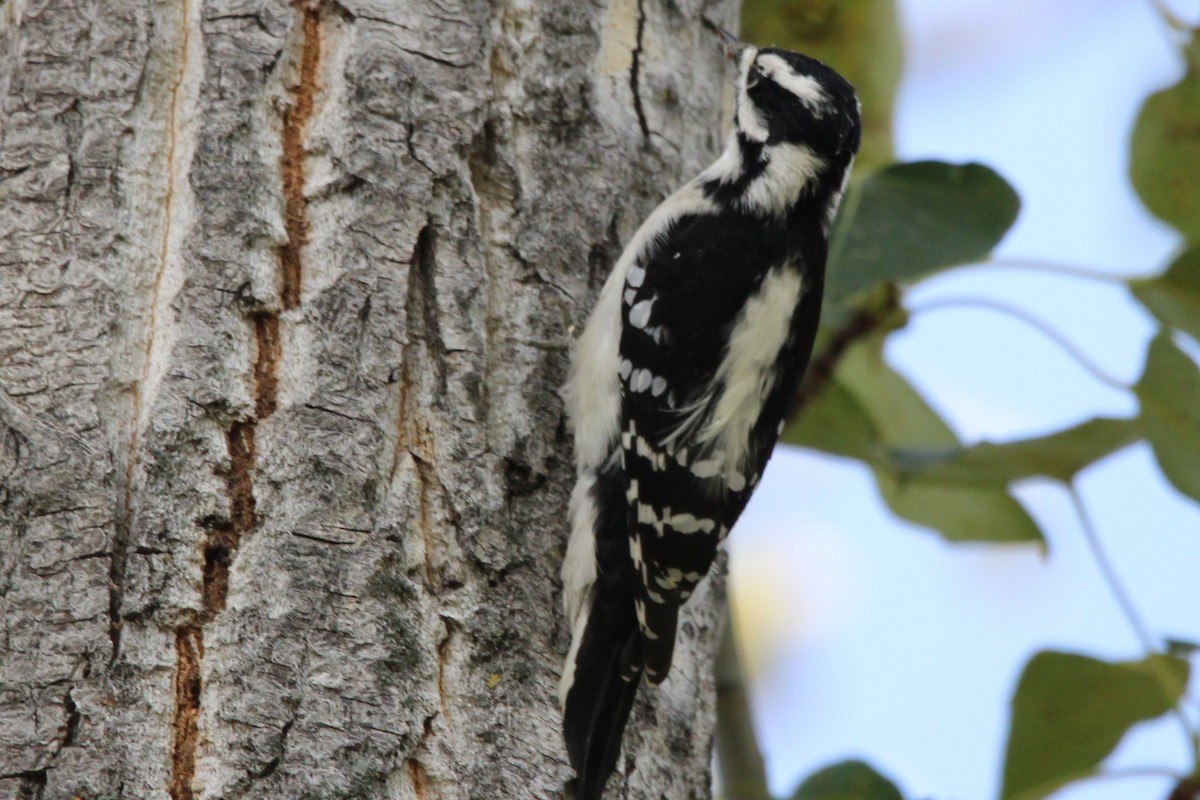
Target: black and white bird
680, 381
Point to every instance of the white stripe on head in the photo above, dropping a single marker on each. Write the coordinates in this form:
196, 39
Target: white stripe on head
749, 120
788, 171
805, 87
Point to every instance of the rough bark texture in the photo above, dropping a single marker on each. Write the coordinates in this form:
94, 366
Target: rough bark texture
285, 297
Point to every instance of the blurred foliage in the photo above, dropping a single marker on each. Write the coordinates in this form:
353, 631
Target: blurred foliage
908, 221
1060, 455
848, 780
1165, 151
867, 411
1070, 711
901, 224
1169, 395
1174, 296
858, 38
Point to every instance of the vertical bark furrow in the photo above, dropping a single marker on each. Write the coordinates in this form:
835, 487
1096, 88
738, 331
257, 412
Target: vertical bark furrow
295, 281
189, 650
117, 562
224, 539
417, 778
221, 546
295, 121
635, 68
423, 313
242, 505
176, 64
422, 355
268, 348
31, 784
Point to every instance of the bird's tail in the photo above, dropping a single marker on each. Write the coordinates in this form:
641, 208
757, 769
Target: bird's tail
604, 665
598, 702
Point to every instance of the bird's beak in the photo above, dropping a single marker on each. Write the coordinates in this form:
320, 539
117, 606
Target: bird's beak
729, 43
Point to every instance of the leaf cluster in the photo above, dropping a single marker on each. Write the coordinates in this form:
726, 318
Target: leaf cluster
907, 222
904, 224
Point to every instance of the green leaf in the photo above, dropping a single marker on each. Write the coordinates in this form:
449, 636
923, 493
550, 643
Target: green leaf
1070, 711
835, 422
900, 412
1183, 648
960, 513
868, 409
1164, 162
1174, 297
1170, 413
847, 780
1060, 455
910, 220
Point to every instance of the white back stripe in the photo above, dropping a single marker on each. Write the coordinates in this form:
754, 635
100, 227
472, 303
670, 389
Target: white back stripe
745, 376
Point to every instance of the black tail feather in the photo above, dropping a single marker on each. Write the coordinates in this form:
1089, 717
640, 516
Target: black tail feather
662, 619
607, 671
607, 666
597, 709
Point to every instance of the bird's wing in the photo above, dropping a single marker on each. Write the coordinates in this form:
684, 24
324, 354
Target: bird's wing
678, 307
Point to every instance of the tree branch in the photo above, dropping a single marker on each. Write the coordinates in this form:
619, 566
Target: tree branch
743, 775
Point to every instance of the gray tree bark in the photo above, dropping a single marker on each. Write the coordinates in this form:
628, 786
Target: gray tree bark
285, 297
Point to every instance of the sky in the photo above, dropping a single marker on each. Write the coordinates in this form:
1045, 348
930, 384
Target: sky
871, 638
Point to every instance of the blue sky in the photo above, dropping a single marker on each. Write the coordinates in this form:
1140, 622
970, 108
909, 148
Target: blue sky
872, 638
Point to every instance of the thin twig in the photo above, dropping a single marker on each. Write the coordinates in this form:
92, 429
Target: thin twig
1172, 20
1030, 320
1178, 32
1055, 268
743, 775
1109, 572
1133, 773
1125, 602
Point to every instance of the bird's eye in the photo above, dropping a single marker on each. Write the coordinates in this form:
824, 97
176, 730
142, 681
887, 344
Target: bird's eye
754, 75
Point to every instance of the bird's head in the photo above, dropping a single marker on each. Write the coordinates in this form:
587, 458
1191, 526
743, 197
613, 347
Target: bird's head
796, 130
789, 98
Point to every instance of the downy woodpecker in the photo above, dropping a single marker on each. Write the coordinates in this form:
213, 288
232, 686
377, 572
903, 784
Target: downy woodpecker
680, 381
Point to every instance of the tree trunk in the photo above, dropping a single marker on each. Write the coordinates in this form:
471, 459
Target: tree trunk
285, 302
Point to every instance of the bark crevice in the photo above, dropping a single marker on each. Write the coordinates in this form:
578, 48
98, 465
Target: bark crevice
189, 650
417, 774
74, 718
33, 783
423, 302
414, 435
221, 543
269, 768
635, 70
302, 99
164, 279
225, 537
